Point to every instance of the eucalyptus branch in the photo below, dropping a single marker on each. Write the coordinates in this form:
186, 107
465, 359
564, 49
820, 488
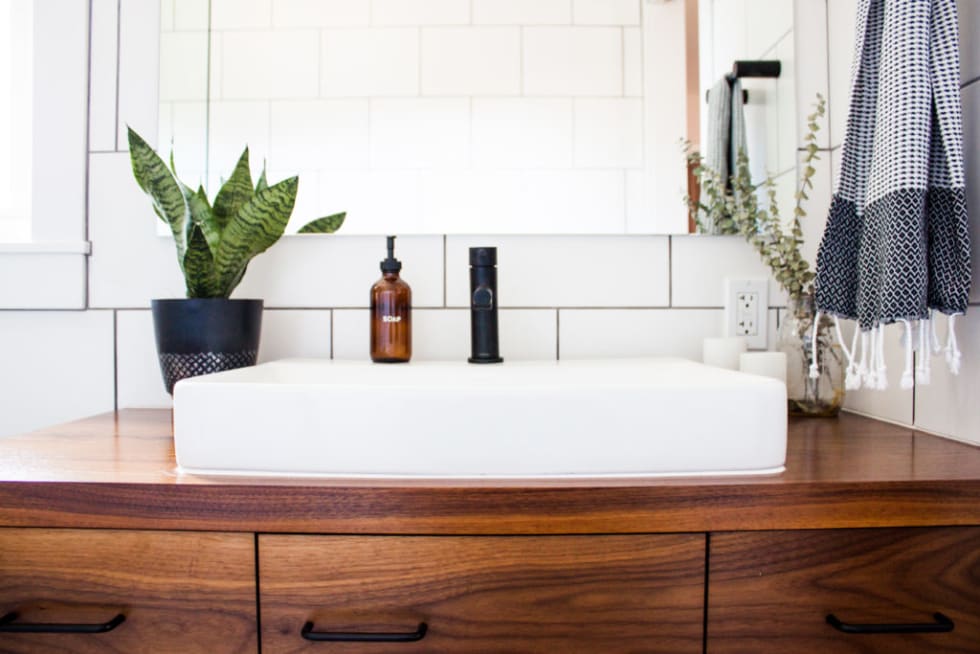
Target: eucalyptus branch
739, 211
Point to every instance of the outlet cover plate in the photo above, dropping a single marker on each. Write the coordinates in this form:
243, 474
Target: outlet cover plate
747, 311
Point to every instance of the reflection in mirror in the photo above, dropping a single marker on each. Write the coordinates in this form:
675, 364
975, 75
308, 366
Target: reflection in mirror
755, 30
470, 116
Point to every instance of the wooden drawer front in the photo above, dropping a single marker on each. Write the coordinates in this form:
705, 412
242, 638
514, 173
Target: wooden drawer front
179, 592
485, 594
772, 591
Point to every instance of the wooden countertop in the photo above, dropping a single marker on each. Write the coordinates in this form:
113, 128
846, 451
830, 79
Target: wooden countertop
118, 471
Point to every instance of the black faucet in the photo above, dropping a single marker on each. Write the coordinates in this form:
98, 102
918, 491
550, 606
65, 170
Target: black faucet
483, 306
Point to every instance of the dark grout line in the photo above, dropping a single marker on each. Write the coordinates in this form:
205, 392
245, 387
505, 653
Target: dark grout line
115, 362
557, 334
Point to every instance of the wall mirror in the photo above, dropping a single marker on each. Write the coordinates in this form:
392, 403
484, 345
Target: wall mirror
466, 116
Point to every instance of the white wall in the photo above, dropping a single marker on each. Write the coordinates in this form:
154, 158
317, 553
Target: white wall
561, 296
431, 117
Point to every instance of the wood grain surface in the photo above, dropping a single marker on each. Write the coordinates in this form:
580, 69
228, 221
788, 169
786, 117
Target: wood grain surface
771, 591
180, 592
118, 471
609, 594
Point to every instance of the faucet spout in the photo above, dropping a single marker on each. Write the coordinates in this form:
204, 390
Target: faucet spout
484, 334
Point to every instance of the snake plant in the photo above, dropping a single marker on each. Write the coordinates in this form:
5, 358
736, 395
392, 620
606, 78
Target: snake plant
215, 242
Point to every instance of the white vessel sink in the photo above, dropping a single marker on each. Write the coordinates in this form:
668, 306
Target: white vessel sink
629, 417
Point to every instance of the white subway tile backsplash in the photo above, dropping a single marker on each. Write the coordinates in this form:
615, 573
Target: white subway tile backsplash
522, 133
453, 201
568, 202
609, 133
257, 65
420, 133
130, 263
510, 201
233, 125
58, 364
566, 271
521, 12
444, 334
573, 61
895, 403
318, 271
633, 62
289, 334
765, 23
139, 52
370, 62
471, 61
617, 333
700, 264
370, 211
437, 335
841, 18
817, 207
102, 75
57, 280
811, 65
322, 13
420, 12
240, 14
183, 67
191, 14
188, 131
319, 134
528, 334
606, 12
138, 376
947, 406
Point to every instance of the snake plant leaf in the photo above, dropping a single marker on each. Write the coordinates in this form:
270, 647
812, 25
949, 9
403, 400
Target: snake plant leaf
202, 216
258, 224
159, 183
325, 225
263, 183
199, 266
234, 193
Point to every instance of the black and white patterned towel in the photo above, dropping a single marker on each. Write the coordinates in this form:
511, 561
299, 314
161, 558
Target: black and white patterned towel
897, 244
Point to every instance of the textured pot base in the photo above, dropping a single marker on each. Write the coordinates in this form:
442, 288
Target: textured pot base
178, 366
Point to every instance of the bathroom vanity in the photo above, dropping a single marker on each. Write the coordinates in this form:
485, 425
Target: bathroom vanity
873, 524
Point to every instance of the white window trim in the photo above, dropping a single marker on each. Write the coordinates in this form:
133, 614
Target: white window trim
49, 272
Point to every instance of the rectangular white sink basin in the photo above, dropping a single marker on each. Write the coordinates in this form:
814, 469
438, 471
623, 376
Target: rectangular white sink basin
598, 418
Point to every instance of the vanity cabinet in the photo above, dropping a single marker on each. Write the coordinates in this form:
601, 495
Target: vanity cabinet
175, 591
483, 593
873, 523
773, 591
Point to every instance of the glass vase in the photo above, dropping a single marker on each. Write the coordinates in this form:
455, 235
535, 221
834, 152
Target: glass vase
821, 397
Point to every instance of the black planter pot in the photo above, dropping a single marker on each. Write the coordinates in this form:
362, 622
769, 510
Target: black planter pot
198, 336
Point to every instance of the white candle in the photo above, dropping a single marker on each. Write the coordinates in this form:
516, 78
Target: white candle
723, 352
767, 364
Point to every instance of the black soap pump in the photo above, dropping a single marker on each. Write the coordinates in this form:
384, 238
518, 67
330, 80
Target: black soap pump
484, 337
391, 313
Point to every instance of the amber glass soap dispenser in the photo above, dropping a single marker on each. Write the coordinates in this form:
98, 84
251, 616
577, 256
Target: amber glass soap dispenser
391, 313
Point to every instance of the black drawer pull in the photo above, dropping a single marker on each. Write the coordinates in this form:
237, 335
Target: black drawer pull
7, 625
355, 637
941, 625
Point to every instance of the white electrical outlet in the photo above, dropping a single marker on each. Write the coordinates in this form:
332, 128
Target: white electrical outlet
747, 311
